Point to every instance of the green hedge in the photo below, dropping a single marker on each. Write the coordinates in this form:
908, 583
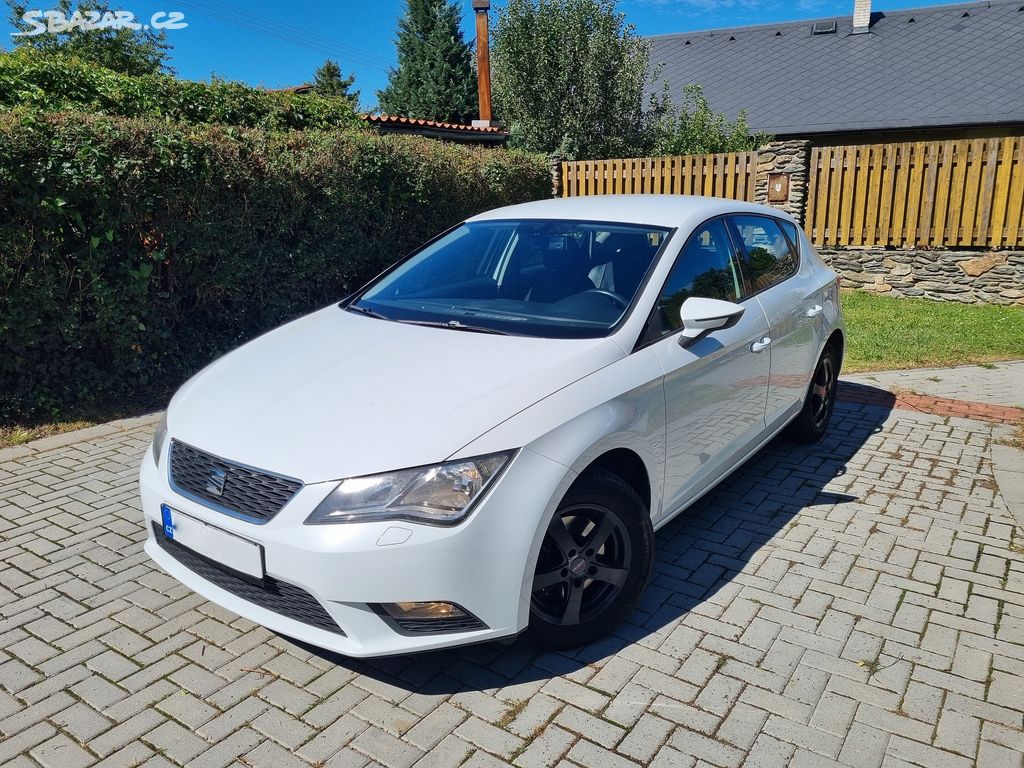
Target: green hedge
47, 82
134, 252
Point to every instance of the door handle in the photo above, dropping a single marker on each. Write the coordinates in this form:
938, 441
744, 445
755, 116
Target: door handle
760, 346
816, 310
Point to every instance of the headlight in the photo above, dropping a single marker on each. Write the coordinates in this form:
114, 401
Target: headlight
439, 495
159, 439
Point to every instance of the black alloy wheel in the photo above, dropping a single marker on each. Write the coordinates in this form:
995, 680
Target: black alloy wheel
823, 391
812, 422
593, 564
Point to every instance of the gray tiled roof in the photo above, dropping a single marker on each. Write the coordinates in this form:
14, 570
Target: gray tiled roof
940, 66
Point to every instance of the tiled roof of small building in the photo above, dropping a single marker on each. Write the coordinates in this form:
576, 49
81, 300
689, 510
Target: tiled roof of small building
416, 122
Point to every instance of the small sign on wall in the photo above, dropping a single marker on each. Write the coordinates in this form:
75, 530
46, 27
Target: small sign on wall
778, 187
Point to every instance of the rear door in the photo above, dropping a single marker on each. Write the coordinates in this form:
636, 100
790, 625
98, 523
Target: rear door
791, 302
716, 388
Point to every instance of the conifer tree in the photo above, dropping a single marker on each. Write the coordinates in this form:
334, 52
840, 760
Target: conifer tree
327, 81
434, 78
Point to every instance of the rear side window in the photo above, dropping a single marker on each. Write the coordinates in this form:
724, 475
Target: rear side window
794, 235
706, 267
769, 256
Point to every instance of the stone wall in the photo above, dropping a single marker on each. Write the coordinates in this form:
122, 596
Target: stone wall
792, 159
972, 277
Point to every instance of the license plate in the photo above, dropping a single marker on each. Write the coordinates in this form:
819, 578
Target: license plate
218, 545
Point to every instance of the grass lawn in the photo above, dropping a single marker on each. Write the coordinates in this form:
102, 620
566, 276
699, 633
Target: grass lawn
882, 333
887, 333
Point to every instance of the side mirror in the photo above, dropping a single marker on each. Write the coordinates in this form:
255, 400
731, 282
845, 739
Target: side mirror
701, 316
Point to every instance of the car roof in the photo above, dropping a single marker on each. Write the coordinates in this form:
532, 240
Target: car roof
686, 211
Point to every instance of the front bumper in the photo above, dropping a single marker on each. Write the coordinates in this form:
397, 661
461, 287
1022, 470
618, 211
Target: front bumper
484, 564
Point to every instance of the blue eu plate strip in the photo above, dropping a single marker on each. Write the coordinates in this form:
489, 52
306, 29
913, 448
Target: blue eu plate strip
165, 513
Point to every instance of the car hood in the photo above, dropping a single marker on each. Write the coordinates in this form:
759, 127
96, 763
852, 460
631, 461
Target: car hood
336, 394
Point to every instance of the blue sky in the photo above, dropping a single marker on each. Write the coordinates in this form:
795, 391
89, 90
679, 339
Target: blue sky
278, 44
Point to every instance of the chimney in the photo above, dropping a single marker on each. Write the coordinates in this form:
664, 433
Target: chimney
483, 64
861, 16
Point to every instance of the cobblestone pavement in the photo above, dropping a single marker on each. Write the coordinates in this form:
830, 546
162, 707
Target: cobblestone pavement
859, 602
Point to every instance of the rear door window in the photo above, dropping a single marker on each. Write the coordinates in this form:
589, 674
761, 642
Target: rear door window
768, 256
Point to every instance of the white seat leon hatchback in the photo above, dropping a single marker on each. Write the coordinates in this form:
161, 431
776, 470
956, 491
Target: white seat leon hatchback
483, 439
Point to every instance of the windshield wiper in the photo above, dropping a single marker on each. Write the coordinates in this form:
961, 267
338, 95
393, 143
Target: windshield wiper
366, 311
455, 325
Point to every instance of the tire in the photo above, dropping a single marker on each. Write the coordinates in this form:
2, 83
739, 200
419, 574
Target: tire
593, 564
812, 422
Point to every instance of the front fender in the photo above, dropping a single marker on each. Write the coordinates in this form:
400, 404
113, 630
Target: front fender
619, 406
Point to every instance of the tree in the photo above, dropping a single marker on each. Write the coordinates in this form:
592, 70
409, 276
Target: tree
327, 81
570, 77
132, 51
573, 78
692, 127
434, 79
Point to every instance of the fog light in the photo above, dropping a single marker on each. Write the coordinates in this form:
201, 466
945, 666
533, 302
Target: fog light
428, 617
424, 610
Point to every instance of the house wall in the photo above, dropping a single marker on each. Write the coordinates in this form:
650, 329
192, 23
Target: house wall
910, 134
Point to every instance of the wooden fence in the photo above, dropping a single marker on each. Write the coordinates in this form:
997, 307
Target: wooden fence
937, 193
730, 174
965, 192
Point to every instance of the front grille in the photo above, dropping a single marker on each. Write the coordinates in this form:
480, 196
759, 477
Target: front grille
250, 493
277, 596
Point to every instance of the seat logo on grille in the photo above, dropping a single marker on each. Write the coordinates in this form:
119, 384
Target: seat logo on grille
215, 481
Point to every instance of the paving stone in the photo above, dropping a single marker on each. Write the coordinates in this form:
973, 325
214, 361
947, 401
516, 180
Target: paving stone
82, 721
386, 749
864, 747
958, 733
332, 738
489, 737
282, 728
997, 756
227, 750
644, 740
176, 742
547, 749
449, 753
61, 752
121, 735
271, 755
923, 754
584, 752
432, 729
595, 729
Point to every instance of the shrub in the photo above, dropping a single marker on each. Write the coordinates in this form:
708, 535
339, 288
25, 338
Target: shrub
692, 127
51, 82
133, 252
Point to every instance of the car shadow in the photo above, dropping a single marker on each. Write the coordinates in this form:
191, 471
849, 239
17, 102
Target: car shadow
698, 555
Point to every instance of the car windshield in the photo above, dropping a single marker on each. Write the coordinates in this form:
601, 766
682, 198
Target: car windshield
547, 278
